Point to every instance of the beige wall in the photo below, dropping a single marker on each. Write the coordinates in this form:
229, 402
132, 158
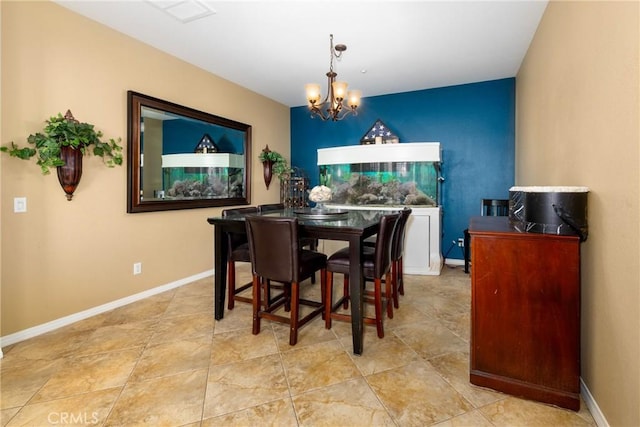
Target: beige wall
577, 124
63, 257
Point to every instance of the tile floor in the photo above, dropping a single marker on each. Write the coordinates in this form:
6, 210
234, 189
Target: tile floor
165, 361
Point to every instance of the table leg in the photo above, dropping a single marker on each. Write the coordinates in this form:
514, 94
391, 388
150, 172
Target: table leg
220, 271
356, 285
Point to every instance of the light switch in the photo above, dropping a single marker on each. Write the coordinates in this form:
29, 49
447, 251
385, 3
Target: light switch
19, 204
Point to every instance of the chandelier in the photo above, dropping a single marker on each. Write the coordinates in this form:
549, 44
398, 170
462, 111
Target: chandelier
334, 106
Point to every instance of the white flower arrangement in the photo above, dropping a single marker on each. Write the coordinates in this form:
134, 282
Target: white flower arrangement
320, 194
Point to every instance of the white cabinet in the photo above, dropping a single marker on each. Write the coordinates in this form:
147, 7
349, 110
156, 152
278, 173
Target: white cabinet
422, 253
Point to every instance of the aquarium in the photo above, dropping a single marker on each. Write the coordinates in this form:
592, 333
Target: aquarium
406, 174
201, 176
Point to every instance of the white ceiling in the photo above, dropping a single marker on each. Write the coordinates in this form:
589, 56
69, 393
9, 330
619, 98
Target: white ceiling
275, 47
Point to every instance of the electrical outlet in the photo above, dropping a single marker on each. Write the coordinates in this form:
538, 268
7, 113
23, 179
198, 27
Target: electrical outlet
461, 242
19, 204
137, 268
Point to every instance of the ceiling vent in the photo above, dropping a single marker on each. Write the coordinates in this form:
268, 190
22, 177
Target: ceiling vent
184, 10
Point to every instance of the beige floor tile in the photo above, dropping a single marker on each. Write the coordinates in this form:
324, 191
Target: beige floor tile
173, 357
241, 344
316, 366
238, 318
202, 287
313, 332
7, 414
278, 413
380, 354
172, 400
85, 374
18, 384
51, 346
350, 403
416, 395
468, 419
181, 327
244, 384
85, 409
149, 308
513, 411
183, 305
430, 338
406, 314
458, 323
454, 368
118, 337
435, 304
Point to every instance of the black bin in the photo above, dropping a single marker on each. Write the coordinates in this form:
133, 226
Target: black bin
549, 210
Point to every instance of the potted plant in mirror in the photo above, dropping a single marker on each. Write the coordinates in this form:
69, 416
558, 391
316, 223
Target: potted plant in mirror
273, 163
61, 145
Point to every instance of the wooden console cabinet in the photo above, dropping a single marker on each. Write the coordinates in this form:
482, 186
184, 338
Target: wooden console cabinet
525, 312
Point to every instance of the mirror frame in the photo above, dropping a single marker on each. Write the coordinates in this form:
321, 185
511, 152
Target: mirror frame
135, 102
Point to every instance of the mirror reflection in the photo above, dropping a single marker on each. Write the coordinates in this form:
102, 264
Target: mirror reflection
182, 158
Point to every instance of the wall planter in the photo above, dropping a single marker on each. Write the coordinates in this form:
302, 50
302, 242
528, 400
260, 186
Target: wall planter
273, 164
61, 145
70, 173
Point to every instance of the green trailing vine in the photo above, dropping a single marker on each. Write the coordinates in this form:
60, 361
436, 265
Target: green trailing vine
66, 131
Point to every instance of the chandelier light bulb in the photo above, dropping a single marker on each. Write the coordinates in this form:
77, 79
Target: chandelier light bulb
313, 92
354, 98
340, 90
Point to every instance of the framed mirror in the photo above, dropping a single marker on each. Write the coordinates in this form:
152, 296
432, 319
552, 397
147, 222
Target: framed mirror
181, 158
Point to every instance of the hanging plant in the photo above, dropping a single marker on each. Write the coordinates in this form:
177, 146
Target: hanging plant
56, 145
275, 164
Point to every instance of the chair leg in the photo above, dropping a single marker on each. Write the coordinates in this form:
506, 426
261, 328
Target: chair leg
328, 300
394, 283
295, 311
378, 306
323, 289
467, 252
231, 281
401, 276
389, 295
257, 291
287, 298
345, 303
266, 285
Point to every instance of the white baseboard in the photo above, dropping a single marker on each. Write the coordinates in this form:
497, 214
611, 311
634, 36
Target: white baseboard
454, 261
67, 320
593, 407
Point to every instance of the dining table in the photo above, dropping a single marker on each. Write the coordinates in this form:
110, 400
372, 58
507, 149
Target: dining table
351, 226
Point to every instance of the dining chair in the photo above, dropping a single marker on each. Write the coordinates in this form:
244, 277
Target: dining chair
376, 267
488, 207
397, 255
276, 255
304, 241
237, 251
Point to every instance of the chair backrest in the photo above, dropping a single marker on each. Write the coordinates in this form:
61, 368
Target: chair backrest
397, 247
384, 242
494, 207
236, 239
271, 207
274, 247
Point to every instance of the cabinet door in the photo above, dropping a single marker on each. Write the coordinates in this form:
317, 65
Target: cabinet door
526, 314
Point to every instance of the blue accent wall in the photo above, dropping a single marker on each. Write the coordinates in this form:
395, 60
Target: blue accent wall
182, 136
474, 123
